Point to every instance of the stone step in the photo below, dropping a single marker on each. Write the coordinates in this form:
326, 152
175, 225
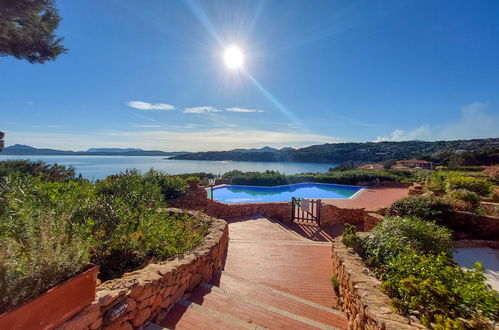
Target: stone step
275, 298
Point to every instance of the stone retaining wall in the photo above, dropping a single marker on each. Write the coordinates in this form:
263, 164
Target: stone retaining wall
196, 199
148, 293
469, 225
365, 305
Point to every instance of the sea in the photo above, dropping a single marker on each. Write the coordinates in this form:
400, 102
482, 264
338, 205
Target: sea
99, 167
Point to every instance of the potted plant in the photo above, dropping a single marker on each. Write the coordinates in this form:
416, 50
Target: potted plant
56, 305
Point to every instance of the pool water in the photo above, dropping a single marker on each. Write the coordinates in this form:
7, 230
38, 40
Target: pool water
254, 194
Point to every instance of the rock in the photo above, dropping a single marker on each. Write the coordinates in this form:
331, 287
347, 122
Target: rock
141, 317
156, 303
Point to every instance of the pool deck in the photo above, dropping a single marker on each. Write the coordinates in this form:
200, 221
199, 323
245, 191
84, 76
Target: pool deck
370, 198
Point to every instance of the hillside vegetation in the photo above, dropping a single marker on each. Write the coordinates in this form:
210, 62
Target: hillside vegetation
461, 152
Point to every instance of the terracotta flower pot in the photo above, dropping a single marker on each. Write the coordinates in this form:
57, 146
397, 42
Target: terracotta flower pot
56, 305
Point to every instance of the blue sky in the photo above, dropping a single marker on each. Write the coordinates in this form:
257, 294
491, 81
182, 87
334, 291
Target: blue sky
150, 74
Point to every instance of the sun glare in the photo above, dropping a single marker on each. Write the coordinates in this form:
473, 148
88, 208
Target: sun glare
233, 57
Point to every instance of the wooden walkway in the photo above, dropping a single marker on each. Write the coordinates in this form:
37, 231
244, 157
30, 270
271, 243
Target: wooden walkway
273, 278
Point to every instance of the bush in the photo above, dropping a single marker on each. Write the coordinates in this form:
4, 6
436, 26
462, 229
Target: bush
464, 200
350, 239
47, 252
438, 291
50, 229
387, 237
52, 172
425, 207
171, 186
480, 186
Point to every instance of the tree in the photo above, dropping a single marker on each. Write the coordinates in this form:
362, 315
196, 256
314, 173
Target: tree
26, 30
1, 140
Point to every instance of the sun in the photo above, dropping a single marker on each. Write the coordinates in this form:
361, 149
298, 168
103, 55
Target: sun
233, 57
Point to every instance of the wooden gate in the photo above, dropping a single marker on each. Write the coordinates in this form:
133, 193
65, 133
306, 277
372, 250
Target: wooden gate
303, 209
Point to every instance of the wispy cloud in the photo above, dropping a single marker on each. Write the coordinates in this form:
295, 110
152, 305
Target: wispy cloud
474, 122
237, 109
146, 126
202, 109
139, 105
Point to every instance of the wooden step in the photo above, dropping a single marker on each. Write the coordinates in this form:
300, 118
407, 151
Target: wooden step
300, 307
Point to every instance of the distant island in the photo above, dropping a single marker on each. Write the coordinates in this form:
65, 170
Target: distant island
355, 152
24, 150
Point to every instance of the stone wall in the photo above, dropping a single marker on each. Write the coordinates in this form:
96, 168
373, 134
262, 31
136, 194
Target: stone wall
148, 293
467, 225
196, 199
363, 302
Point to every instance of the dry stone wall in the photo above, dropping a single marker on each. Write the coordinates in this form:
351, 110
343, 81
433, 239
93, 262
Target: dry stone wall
363, 302
197, 199
147, 294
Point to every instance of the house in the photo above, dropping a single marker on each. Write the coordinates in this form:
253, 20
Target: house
414, 164
371, 167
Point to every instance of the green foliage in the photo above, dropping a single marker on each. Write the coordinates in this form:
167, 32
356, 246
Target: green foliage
369, 152
335, 283
387, 237
480, 186
49, 230
27, 30
52, 172
45, 253
426, 207
438, 291
348, 177
343, 167
464, 200
171, 186
192, 178
350, 239
2, 142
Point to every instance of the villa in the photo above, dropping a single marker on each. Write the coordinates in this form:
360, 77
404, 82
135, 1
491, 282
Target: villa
413, 164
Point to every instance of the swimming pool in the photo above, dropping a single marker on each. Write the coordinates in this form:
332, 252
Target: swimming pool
255, 194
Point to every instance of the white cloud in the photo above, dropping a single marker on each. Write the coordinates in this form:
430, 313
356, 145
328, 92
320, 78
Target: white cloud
215, 139
146, 126
236, 109
474, 122
202, 109
139, 105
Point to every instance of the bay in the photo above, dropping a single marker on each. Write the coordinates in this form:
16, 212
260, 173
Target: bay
98, 167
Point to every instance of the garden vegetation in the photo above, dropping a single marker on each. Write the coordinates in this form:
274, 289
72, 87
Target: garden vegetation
412, 257
52, 224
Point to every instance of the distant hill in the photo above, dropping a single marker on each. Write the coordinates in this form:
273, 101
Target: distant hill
264, 149
351, 152
20, 149
113, 149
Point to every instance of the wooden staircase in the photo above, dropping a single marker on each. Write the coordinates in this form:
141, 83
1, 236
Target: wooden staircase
231, 302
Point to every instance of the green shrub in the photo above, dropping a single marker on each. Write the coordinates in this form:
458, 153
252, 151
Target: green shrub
171, 186
387, 237
426, 207
52, 172
350, 239
464, 200
438, 291
480, 186
335, 283
47, 252
118, 223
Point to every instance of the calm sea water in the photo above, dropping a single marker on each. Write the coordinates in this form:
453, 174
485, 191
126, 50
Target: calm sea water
98, 167
253, 194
